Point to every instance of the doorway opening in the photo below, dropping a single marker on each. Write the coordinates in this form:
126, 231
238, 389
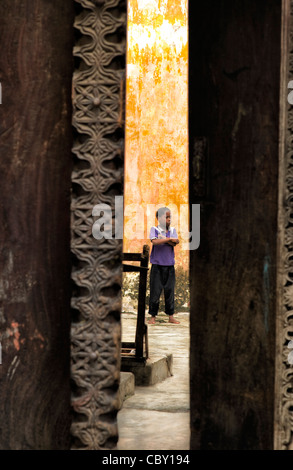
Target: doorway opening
156, 173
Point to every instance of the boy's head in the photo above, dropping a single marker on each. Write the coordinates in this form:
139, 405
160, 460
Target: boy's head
164, 217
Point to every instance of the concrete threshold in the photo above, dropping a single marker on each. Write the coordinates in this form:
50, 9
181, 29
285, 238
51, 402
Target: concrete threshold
156, 417
150, 372
153, 370
126, 387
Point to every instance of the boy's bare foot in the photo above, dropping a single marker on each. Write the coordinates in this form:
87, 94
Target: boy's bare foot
172, 320
152, 321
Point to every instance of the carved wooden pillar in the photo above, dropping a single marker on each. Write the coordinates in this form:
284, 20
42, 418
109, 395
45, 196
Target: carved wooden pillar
98, 98
36, 40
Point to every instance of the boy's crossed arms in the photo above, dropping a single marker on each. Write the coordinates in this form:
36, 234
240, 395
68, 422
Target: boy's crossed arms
162, 239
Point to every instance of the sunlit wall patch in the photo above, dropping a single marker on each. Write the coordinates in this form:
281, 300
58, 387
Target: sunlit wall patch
156, 140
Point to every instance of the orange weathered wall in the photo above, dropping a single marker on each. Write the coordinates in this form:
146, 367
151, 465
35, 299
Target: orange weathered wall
156, 163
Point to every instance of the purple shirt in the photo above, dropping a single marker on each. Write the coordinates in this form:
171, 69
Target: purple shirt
162, 254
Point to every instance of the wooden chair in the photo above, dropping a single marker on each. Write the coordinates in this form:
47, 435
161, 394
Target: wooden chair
136, 351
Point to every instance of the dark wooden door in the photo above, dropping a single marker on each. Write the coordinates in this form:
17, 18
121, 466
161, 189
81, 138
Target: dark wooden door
234, 118
35, 179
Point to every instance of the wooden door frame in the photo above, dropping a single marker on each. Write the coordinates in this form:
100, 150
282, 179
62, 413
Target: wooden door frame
98, 119
283, 432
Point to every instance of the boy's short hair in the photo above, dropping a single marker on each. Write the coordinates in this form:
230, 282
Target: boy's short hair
162, 211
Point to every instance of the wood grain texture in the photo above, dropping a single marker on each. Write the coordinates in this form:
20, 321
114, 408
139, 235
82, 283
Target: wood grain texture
35, 165
234, 99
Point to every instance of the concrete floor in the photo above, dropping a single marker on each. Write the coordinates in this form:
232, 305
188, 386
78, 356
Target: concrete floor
156, 417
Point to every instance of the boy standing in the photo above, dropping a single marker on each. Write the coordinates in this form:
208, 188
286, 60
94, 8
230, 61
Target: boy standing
162, 276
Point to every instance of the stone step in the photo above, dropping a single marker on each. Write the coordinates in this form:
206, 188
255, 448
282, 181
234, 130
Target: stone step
154, 370
126, 387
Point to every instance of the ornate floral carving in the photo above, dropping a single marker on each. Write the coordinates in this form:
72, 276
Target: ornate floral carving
97, 176
284, 369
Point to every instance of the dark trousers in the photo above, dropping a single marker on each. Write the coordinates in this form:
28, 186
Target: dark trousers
162, 278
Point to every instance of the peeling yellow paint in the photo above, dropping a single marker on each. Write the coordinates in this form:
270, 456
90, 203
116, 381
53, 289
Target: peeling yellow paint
156, 147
